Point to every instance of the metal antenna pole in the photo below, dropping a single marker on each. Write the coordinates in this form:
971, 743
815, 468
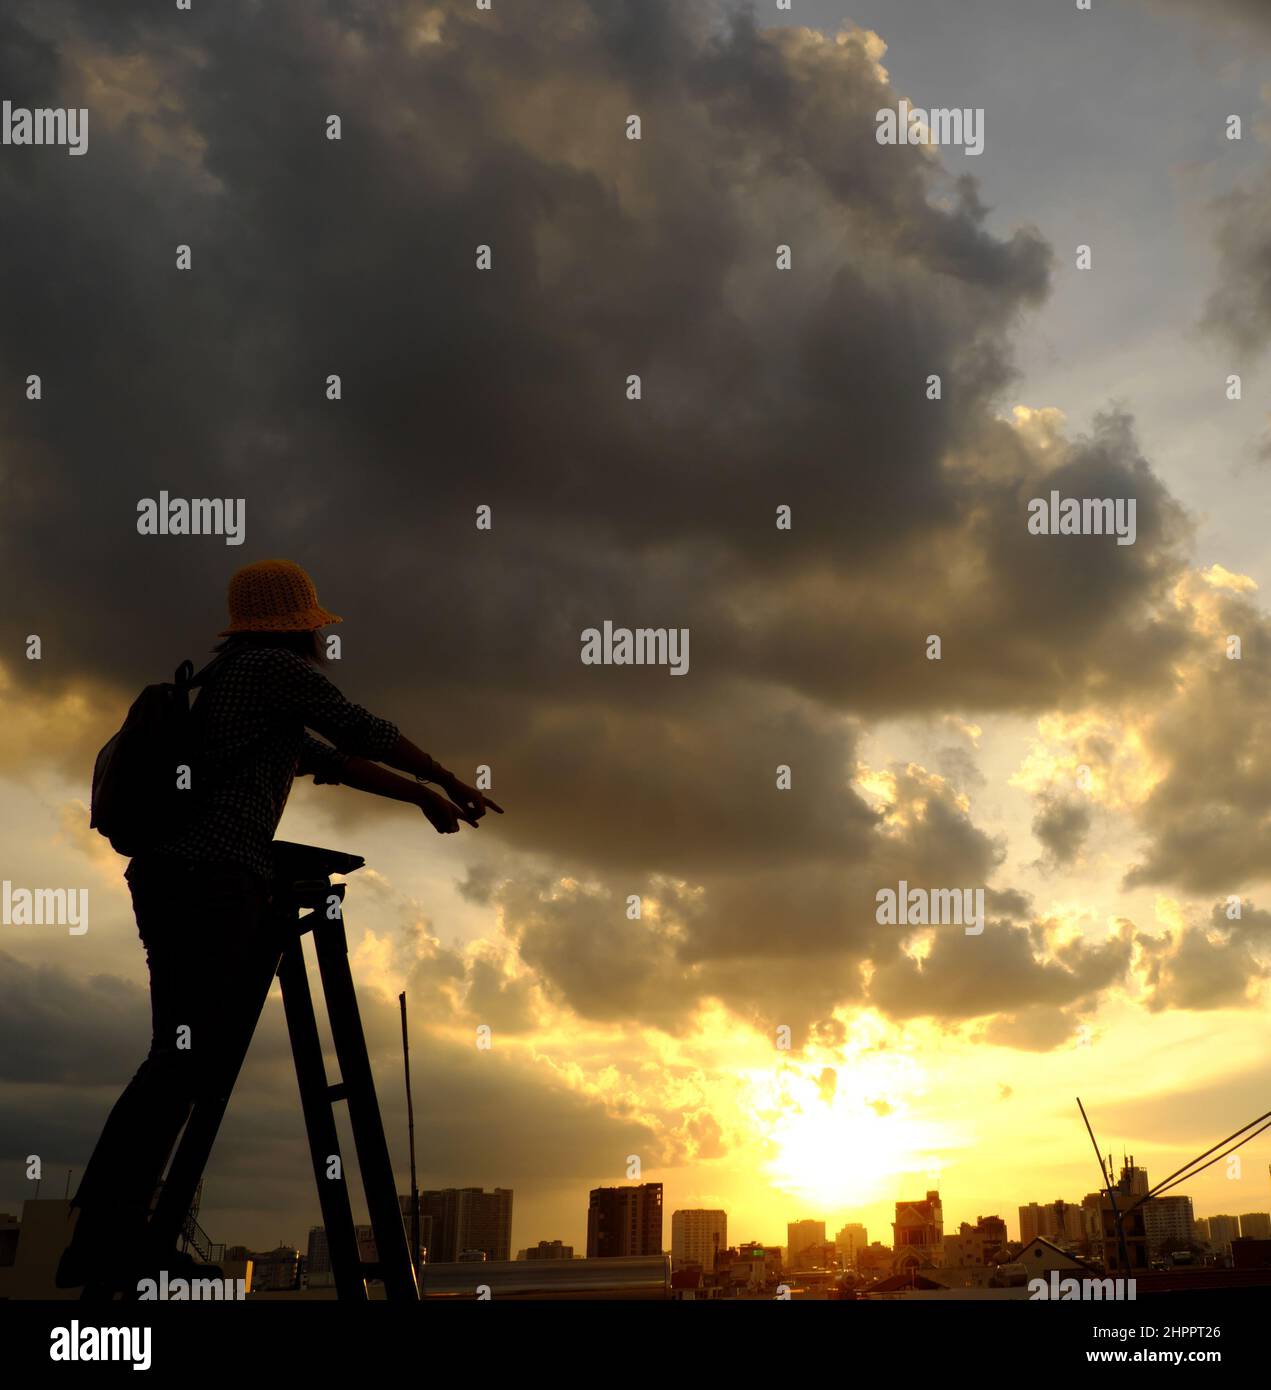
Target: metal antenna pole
410, 1126
1112, 1197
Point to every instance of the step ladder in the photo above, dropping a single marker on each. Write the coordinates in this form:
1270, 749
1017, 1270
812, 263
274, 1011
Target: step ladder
305, 901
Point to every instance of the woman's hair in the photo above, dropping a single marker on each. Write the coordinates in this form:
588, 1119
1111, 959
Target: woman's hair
305, 643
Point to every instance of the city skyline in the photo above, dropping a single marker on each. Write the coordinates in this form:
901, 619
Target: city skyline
511, 1239
465, 1229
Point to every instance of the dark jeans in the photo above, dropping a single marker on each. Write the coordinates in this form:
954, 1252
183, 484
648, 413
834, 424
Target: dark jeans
210, 946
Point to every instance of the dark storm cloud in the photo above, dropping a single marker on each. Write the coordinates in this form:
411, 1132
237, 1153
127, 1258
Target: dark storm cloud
1037, 1028
1005, 970
1007, 903
1250, 11
1061, 824
1239, 308
611, 257
1211, 965
959, 767
1206, 817
1229, 19
779, 942
57, 1027
499, 1002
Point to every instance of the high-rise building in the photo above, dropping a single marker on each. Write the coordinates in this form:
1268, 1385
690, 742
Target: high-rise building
918, 1241
1255, 1225
1222, 1231
1133, 1181
1099, 1234
625, 1220
318, 1260
799, 1236
697, 1235
981, 1244
1200, 1225
1123, 1238
317, 1266
850, 1240
1167, 1220
465, 1219
1092, 1205
1060, 1222
993, 1231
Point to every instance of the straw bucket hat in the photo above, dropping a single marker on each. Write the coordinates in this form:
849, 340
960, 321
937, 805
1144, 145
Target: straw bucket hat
274, 596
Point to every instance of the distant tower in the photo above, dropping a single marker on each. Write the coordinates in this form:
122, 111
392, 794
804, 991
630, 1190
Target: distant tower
1134, 1181
625, 1221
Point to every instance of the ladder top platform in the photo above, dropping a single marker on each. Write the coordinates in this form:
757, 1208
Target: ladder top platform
295, 863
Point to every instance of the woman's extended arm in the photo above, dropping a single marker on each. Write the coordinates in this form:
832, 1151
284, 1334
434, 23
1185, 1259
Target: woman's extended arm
365, 740
366, 776
410, 758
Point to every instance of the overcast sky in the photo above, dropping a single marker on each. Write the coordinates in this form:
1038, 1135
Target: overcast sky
1109, 966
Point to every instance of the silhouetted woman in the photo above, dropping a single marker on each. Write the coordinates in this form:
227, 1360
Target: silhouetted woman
201, 896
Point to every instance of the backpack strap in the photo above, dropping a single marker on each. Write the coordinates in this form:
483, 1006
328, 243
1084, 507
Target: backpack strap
187, 680
185, 672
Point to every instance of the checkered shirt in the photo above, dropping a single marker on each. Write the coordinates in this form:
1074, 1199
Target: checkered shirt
252, 715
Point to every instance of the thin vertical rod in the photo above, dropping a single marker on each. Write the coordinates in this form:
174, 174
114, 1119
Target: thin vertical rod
410, 1128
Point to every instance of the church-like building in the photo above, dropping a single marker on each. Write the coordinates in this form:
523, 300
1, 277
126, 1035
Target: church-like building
918, 1235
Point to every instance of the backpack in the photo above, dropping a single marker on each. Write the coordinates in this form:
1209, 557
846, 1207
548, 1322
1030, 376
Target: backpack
136, 802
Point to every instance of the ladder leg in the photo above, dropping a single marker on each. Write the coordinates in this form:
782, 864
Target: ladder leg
324, 1141
392, 1246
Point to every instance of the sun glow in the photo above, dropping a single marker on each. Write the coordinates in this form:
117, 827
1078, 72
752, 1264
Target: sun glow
839, 1124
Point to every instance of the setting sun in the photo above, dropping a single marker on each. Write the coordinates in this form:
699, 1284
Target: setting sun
838, 1134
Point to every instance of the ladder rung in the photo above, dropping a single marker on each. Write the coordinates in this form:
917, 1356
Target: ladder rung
337, 1091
